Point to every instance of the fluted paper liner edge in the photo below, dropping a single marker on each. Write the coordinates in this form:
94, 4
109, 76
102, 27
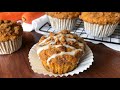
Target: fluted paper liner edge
37, 67
97, 30
10, 46
62, 24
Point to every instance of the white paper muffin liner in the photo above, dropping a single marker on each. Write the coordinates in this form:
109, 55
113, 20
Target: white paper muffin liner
97, 30
10, 46
37, 67
62, 24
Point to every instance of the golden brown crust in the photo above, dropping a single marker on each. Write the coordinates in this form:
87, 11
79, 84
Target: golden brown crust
66, 62
101, 17
9, 30
61, 64
64, 15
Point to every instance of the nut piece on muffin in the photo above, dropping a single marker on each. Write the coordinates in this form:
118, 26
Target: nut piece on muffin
10, 36
61, 52
63, 20
100, 24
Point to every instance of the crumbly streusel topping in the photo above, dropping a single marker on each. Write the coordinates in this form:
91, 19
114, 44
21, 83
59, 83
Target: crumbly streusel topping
101, 17
63, 15
64, 41
9, 30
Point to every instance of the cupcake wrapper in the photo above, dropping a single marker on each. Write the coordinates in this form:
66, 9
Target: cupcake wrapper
10, 46
97, 30
62, 24
37, 66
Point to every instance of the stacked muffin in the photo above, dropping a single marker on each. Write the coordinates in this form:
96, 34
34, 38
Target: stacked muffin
10, 36
60, 53
100, 24
63, 20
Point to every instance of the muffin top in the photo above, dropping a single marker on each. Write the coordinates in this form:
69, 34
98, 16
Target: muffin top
9, 30
61, 48
64, 15
100, 17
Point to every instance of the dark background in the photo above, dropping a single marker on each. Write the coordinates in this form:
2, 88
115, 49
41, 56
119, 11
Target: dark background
60, 5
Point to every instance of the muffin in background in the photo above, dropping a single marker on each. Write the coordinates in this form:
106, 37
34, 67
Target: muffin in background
10, 36
61, 52
100, 24
63, 20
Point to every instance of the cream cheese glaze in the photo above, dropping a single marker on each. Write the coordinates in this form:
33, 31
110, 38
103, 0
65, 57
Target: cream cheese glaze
45, 44
62, 53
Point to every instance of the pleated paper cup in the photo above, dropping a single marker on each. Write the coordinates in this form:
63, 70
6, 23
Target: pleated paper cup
62, 24
10, 46
37, 67
97, 30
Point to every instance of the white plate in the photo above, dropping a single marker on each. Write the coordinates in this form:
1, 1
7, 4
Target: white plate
37, 67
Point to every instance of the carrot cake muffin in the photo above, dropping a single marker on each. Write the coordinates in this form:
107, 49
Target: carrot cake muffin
100, 24
60, 53
10, 36
63, 20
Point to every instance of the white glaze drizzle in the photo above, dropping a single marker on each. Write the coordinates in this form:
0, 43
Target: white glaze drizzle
44, 41
56, 46
45, 47
70, 39
62, 53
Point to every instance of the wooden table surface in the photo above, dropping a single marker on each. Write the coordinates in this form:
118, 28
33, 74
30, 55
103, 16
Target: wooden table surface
106, 62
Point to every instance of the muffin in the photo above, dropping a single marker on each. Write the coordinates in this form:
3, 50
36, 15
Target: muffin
100, 24
10, 36
63, 20
61, 52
